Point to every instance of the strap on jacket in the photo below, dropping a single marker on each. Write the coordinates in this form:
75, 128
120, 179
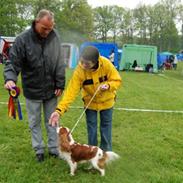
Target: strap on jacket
90, 81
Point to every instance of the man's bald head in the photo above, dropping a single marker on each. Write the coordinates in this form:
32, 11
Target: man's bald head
45, 13
44, 22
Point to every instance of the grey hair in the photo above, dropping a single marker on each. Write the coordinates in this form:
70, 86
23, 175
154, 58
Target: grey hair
42, 13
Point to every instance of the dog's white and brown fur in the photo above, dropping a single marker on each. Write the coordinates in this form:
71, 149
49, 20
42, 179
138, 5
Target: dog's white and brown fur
74, 152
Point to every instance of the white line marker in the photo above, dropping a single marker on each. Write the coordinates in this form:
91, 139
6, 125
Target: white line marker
122, 109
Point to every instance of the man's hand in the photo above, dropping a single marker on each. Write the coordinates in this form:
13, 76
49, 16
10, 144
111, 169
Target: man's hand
104, 87
54, 119
9, 85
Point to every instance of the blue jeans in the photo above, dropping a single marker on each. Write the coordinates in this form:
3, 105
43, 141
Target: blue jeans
105, 128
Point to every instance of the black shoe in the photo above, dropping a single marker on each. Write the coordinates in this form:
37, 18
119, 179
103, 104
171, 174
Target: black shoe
40, 157
54, 155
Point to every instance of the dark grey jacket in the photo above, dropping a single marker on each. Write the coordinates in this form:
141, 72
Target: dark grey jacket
40, 64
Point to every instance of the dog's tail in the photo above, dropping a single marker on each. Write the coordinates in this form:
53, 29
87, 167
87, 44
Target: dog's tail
111, 156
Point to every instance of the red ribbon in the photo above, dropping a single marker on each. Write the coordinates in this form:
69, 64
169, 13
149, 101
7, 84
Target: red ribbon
14, 108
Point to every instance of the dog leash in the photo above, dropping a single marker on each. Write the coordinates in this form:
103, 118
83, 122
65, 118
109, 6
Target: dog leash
85, 109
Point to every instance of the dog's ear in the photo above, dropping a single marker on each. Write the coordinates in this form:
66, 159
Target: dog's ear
102, 161
64, 143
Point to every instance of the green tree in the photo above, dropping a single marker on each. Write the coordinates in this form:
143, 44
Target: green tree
8, 14
53, 5
180, 20
15, 16
158, 24
75, 21
127, 27
172, 7
117, 19
141, 21
103, 22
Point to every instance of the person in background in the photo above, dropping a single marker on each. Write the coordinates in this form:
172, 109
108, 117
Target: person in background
36, 55
111, 56
134, 64
93, 73
175, 61
149, 68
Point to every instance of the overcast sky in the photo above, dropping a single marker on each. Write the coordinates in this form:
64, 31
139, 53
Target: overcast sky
124, 3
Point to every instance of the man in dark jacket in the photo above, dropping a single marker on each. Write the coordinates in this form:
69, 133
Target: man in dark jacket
36, 55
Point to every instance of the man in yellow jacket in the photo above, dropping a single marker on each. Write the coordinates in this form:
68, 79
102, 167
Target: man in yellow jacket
93, 73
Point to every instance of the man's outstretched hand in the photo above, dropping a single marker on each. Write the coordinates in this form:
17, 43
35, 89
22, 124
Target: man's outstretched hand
54, 119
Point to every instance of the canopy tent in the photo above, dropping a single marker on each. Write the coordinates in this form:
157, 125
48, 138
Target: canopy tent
70, 54
163, 57
142, 54
180, 56
104, 49
5, 45
166, 53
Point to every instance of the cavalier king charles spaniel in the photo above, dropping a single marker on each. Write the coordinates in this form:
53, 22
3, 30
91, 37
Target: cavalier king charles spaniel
75, 153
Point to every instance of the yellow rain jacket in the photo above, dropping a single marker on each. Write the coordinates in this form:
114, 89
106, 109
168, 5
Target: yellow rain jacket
88, 81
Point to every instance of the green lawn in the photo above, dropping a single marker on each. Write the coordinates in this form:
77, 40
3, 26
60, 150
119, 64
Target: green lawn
150, 144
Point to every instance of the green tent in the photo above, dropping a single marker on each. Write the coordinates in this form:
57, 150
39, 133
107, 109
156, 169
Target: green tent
143, 55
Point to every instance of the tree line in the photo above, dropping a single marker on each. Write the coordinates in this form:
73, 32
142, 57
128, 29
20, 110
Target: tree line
76, 21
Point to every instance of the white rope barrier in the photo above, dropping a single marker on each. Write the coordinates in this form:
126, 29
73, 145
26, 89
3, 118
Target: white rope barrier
137, 110
122, 109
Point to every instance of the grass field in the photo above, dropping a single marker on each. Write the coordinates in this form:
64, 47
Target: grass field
150, 143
